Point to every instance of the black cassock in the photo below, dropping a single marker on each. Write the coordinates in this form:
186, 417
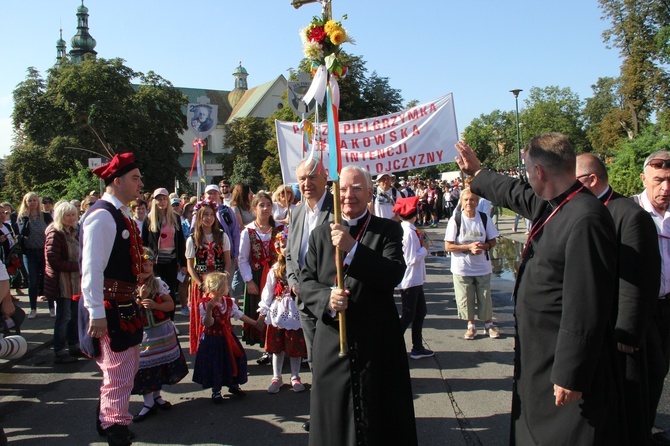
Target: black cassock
564, 297
366, 397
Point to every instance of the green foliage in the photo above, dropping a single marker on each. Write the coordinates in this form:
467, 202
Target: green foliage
89, 107
625, 169
76, 186
493, 137
554, 109
246, 139
639, 30
245, 172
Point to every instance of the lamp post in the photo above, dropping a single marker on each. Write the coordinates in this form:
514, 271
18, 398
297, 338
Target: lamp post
518, 134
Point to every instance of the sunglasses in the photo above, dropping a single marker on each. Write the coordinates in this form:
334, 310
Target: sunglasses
658, 163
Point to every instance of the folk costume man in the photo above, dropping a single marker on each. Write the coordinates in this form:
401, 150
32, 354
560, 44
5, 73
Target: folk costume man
111, 329
655, 199
315, 209
565, 385
365, 397
638, 277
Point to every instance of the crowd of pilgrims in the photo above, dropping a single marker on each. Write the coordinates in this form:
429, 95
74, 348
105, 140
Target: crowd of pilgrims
202, 257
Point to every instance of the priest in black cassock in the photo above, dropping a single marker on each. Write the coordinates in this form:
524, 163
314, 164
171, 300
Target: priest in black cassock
364, 398
639, 282
566, 386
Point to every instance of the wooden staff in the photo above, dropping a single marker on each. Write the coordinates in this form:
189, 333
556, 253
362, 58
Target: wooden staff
339, 260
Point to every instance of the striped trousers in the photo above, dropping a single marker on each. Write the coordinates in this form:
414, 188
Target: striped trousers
118, 376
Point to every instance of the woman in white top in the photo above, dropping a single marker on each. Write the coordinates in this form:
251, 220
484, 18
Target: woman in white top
282, 204
470, 264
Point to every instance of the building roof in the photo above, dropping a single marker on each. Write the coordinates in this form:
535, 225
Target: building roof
252, 98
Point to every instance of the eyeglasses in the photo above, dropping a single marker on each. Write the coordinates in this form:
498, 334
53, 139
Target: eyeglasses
585, 175
658, 163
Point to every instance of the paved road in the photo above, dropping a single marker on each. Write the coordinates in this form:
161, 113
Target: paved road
462, 395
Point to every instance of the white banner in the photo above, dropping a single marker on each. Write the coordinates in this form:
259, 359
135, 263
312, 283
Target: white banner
421, 136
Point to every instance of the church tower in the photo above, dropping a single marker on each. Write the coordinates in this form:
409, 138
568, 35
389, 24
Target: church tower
60, 50
82, 43
240, 74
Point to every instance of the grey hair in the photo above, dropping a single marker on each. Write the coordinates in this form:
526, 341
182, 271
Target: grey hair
362, 171
662, 154
59, 213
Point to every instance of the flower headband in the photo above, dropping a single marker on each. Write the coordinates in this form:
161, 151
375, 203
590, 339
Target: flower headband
206, 202
280, 239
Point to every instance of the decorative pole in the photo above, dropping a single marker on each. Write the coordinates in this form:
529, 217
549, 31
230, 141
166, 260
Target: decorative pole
321, 43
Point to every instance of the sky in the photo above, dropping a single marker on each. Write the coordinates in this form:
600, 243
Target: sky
478, 50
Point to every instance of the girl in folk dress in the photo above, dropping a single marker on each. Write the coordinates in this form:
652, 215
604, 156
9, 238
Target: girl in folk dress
161, 359
207, 250
256, 258
284, 332
221, 360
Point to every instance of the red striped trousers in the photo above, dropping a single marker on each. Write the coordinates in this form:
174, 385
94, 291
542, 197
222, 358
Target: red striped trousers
118, 376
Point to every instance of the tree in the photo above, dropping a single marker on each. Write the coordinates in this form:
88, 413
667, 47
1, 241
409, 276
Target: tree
554, 109
246, 137
492, 137
245, 172
628, 164
93, 106
606, 121
639, 30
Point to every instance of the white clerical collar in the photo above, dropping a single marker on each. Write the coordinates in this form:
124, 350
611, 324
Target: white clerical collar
354, 221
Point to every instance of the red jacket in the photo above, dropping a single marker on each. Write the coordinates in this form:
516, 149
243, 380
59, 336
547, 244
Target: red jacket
56, 257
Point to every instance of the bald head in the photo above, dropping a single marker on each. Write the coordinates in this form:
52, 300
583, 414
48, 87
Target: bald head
591, 172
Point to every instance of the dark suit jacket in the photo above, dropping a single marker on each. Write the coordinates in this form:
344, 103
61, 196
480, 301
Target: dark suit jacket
296, 234
639, 272
354, 393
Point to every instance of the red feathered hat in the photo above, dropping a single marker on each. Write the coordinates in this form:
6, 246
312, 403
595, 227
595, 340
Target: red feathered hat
121, 164
405, 208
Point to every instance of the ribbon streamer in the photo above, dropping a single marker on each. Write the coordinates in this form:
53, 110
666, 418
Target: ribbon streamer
317, 90
334, 159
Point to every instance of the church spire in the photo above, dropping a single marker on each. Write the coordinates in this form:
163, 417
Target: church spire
60, 49
240, 75
82, 43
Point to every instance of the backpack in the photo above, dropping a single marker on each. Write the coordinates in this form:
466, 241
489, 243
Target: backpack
457, 218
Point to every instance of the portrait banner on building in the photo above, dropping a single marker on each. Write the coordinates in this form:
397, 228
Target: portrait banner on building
201, 117
418, 137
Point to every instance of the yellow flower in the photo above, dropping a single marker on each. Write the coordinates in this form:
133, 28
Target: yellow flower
338, 36
330, 26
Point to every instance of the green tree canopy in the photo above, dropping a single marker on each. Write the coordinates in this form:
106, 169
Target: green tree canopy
93, 106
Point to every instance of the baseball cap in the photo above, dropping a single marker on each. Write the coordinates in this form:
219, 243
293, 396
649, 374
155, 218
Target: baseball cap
212, 187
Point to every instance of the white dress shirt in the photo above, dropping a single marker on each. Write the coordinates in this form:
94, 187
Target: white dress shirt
99, 233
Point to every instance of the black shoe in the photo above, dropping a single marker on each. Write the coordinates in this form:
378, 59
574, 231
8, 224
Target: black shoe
305, 426
217, 398
660, 438
118, 435
265, 359
77, 353
139, 418
235, 390
165, 405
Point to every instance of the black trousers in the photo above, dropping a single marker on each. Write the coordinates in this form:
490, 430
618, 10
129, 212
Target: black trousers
658, 353
413, 313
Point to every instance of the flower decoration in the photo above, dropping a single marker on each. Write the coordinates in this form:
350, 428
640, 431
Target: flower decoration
206, 202
280, 240
321, 41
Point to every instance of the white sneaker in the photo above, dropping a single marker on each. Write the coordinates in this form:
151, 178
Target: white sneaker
32, 314
185, 312
275, 385
52, 312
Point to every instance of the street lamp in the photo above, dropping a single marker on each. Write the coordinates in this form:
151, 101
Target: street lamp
518, 134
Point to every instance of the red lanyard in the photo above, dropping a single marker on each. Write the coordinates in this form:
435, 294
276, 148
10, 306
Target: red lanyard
534, 230
609, 197
359, 236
